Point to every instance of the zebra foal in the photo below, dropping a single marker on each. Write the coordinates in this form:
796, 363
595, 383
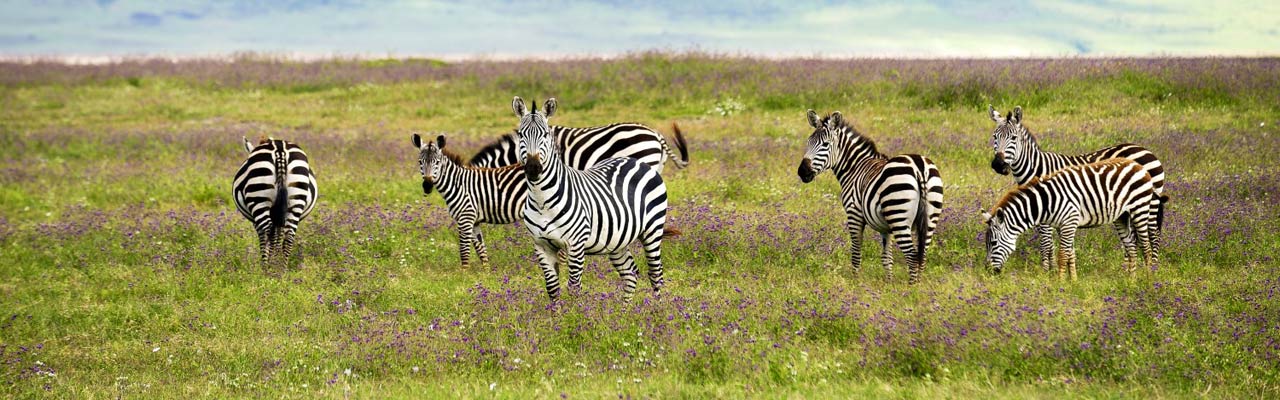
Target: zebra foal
1118, 191
473, 195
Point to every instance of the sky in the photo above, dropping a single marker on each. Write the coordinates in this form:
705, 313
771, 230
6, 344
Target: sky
520, 29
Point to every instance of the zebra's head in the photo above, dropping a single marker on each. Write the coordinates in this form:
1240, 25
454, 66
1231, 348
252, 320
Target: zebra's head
819, 152
430, 157
534, 143
1000, 239
1008, 139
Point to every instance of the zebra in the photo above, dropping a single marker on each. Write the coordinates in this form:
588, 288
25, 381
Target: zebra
900, 196
600, 210
585, 147
473, 195
1118, 191
1017, 153
275, 189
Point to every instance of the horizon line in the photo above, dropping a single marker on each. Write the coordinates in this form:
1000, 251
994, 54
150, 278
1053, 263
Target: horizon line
106, 59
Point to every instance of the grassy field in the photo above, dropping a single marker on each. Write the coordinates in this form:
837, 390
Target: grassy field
126, 272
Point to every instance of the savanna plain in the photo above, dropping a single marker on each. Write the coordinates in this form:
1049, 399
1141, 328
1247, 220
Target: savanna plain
125, 271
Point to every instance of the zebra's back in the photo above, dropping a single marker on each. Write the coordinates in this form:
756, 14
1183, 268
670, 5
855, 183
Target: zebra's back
585, 147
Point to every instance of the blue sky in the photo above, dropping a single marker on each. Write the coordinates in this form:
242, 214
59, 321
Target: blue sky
461, 29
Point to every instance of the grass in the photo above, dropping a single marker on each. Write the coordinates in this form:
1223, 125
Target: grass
128, 273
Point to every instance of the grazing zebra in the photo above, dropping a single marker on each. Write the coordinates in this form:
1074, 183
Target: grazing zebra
473, 195
900, 196
1017, 153
600, 210
275, 190
585, 147
1117, 191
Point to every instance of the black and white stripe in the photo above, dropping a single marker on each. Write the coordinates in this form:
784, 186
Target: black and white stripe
1118, 191
473, 195
600, 210
275, 190
585, 147
900, 196
1017, 153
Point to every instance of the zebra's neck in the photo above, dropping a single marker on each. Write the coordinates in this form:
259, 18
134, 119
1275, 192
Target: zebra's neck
856, 152
554, 175
1023, 209
453, 176
1033, 161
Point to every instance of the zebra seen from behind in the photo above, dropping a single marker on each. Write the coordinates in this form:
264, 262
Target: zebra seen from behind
473, 195
275, 189
582, 148
600, 210
1017, 153
900, 196
1118, 191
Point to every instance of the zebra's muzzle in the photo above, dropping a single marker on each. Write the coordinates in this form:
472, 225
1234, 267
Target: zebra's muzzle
998, 165
426, 186
533, 166
806, 171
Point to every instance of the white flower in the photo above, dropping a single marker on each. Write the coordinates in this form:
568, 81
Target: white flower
493, 385
347, 371
155, 349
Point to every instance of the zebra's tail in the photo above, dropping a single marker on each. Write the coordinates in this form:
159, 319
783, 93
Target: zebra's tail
921, 223
670, 232
280, 206
1164, 200
681, 146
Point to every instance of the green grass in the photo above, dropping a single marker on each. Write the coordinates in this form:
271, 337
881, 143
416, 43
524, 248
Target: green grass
127, 273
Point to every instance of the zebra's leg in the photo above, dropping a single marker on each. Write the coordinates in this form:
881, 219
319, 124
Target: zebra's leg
1145, 227
286, 247
653, 255
1044, 233
264, 247
577, 255
1067, 251
901, 235
886, 255
479, 246
856, 224
626, 267
465, 235
547, 259
1127, 240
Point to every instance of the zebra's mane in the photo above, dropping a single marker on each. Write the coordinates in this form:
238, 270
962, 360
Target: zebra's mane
855, 135
457, 159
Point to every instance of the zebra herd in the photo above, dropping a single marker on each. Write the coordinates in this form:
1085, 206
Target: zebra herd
597, 191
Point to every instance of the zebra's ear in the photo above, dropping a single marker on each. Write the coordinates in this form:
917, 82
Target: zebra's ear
813, 119
440, 141
417, 141
1017, 115
995, 115
987, 218
517, 105
247, 146
550, 107
836, 119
